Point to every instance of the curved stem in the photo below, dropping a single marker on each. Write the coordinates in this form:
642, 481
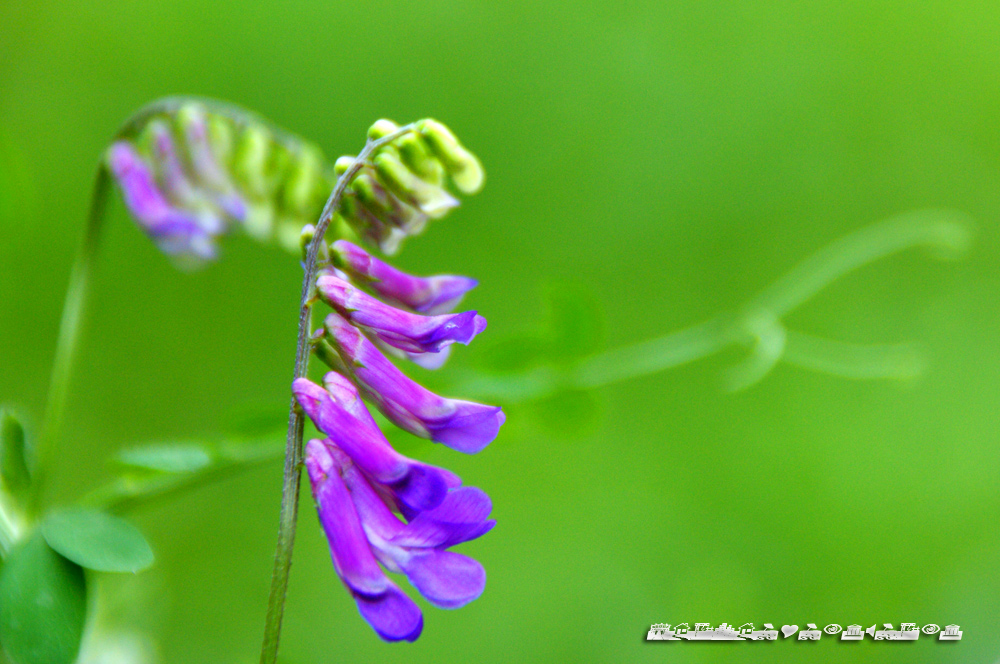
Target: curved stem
296, 422
758, 323
69, 333
941, 230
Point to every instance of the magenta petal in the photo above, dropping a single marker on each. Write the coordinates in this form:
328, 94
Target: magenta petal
352, 555
448, 580
175, 231
461, 517
418, 486
407, 331
393, 615
461, 425
423, 487
430, 295
469, 428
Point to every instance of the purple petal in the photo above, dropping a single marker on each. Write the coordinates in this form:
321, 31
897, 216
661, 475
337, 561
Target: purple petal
461, 425
429, 361
430, 295
352, 556
417, 485
461, 517
409, 332
448, 580
378, 521
393, 615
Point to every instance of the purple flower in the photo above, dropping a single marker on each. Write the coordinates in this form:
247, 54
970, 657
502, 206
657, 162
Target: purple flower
175, 230
418, 549
393, 615
409, 332
429, 295
461, 425
339, 413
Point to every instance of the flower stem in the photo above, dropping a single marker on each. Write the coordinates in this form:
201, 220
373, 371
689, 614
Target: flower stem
296, 422
69, 335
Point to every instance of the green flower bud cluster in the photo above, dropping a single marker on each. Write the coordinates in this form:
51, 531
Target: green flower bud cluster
403, 184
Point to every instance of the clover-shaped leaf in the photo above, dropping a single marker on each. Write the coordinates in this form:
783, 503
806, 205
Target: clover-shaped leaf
43, 604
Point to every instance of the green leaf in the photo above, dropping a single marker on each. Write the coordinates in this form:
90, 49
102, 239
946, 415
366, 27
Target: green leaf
43, 605
166, 458
96, 540
13, 461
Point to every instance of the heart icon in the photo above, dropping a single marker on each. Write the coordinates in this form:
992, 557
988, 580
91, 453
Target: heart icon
788, 630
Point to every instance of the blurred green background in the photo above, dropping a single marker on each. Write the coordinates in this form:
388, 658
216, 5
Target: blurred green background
670, 159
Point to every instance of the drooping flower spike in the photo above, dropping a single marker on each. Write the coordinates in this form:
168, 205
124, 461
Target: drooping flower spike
214, 167
361, 529
192, 171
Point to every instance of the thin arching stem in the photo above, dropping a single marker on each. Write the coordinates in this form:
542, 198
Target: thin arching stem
69, 335
296, 422
758, 324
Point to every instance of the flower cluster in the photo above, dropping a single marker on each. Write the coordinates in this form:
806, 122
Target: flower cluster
375, 504
189, 172
380, 509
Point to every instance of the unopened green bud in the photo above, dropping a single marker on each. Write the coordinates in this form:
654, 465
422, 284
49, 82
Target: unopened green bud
418, 158
220, 136
463, 166
371, 195
250, 162
305, 238
381, 128
303, 187
13, 461
431, 199
342, 165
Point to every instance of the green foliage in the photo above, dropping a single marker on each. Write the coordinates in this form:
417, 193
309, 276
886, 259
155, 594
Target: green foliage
42, 605
97, 540
166, 458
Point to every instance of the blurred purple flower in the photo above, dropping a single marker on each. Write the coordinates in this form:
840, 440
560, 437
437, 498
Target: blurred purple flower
175, 230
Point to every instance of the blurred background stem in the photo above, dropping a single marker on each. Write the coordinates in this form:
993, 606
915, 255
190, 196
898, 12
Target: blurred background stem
69, 335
